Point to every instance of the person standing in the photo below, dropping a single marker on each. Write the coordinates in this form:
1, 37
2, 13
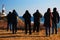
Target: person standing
14, 21
55, 20
37, 17
9, 21
27, 19
47, 21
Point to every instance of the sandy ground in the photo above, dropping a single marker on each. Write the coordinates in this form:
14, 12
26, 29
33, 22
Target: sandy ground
4, 35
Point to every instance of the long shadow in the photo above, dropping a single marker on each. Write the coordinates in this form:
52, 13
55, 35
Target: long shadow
8, 35
11, 33
19, 36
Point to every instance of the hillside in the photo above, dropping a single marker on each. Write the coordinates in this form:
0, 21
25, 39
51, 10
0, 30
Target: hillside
20, 24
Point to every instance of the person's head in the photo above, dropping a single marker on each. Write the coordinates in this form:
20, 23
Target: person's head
27, 11
37, 10
55, 9
14, 10
9, 12
48, 10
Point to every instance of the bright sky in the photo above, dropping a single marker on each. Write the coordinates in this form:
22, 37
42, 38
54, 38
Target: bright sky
32, 5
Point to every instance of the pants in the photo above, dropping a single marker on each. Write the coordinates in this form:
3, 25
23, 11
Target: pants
47, 30
54, 27
14, 28
9, 26
36, 27
27, 25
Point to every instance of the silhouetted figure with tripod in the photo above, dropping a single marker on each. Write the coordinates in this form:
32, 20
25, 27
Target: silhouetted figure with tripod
27, 19
37, 17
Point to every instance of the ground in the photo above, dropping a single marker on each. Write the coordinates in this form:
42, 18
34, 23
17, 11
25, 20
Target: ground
20, 35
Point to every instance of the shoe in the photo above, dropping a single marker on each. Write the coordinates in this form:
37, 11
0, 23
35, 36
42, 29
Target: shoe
46, 35
7, 29
29, 33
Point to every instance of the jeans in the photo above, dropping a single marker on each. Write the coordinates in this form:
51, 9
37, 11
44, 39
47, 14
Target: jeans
10, 26
54, 27
47, 30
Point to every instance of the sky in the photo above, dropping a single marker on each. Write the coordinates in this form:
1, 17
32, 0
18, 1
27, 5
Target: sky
32, 5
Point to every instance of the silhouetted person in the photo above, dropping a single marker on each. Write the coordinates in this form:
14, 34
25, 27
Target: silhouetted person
47, 25
37, 17
14, 21
27, 19
9, 21
55, 20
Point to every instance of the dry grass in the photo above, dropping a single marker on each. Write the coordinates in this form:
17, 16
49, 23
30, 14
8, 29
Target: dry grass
4, 35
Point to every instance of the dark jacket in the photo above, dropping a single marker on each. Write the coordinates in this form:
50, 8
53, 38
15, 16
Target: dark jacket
27, 17
37, 17
9, 17
14, 17
55, 17
47, 19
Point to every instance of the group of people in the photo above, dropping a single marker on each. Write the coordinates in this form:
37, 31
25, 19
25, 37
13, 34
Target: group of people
27, 18
50, 20
12, 21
